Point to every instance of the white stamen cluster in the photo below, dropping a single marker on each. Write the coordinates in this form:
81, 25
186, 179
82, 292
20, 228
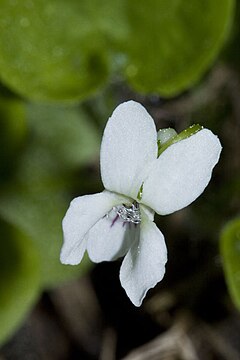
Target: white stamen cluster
129, 213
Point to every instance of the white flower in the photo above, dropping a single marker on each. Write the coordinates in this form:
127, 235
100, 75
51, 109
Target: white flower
116, 222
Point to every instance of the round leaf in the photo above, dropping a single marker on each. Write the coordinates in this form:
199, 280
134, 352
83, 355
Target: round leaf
52, 50
19, 279
173, 42
230, 250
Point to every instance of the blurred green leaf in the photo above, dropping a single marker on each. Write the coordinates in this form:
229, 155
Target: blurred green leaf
52, 50
173, 42
19, 278
232, 52
66, 134
57, 51
59, 140
12, 134
230, 250
38, 212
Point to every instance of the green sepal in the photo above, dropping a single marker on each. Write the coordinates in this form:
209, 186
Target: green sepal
139, 195
191, 130
164, 135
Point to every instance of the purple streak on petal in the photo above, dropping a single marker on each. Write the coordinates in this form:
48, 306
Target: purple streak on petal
114, 220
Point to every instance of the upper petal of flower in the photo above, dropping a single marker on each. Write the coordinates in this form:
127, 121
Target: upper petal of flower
109, 238
181, 172
144, 265
129, 145
83, 213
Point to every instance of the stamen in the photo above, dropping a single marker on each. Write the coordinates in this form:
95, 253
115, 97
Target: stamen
129, 213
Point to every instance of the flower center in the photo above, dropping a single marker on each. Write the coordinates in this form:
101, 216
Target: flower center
129, 213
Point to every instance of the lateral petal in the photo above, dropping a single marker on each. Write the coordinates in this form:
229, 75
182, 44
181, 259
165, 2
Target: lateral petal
181, 172
83, 213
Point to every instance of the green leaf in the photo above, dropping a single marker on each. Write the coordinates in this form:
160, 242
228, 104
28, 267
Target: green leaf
35, 201
66, 134
172, 43
230, 251
231, 54
38, 212
13, 131
19, 279
52, 50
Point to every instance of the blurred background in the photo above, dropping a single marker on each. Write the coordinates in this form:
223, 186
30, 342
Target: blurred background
64, 67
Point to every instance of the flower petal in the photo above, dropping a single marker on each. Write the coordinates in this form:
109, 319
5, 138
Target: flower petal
83, 213
181, 172
144, 265
129, 145
110, 238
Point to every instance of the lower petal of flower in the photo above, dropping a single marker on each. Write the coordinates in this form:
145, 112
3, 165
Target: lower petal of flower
144, 265
110, 238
